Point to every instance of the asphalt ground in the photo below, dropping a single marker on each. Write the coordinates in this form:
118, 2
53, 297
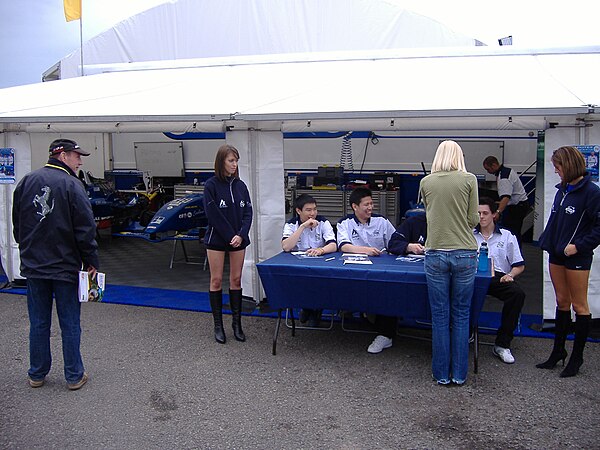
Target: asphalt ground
158, 380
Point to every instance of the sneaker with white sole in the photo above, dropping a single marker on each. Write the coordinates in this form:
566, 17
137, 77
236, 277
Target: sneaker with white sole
504, 354
379, 343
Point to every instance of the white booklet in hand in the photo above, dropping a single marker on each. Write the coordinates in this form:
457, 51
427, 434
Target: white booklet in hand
91, 289
356, 258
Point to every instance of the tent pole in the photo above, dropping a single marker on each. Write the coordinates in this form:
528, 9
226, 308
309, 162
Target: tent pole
81, 39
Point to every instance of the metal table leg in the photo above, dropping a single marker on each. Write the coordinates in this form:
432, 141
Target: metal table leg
476, 349
277, 325
290, 312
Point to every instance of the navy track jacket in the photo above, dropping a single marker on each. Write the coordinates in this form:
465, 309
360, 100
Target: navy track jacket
575, 219
229, 211
412, 231
53, 224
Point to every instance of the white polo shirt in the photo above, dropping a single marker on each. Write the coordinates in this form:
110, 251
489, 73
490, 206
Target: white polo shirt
316, 237
375, 233
503, 248
509, 184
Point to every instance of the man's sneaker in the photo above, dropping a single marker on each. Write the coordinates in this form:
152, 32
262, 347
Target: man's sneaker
79, 384
504, 354
304, 315
314, 319
379, 343
36, 383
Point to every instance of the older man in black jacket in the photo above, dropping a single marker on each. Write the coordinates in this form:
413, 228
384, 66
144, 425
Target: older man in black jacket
55, 229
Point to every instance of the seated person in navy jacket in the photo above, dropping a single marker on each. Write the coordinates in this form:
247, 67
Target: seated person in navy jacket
408, 239
308, 232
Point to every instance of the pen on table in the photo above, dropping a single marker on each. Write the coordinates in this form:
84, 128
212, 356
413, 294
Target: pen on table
330, 259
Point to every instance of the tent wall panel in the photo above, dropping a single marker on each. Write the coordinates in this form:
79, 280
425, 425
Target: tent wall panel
261, 168
91, 142
405, 152
21, 142
197, 154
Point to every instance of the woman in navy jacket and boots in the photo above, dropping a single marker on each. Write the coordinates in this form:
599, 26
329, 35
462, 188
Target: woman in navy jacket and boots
570, 237
229, 212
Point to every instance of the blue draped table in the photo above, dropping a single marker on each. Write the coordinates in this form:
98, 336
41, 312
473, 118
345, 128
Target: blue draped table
388, 286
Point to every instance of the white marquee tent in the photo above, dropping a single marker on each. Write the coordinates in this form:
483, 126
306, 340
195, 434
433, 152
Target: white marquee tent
185, 29
257, 98
265, 70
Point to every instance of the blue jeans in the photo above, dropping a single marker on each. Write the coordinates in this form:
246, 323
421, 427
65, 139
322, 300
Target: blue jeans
450, 282
39, 303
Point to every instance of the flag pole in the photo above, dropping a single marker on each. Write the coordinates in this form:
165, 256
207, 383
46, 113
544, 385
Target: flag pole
81, 36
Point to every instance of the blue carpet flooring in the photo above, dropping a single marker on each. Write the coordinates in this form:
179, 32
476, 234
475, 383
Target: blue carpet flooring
199, 302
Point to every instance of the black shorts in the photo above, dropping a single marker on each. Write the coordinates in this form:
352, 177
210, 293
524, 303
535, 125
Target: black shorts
225, 248
574, 262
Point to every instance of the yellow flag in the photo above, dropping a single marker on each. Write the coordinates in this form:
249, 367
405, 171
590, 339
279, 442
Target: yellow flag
72, 9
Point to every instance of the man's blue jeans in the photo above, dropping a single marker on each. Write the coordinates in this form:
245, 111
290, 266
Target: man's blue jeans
450, 282
39, 303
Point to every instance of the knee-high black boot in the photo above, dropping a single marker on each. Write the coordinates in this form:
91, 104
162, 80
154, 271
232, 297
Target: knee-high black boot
582, 330
216, 305
235, 301
563, 321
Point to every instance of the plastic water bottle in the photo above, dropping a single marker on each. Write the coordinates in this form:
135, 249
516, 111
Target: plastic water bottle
483, 263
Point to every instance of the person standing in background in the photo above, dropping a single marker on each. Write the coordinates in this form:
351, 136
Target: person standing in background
514, 205
229, 212
570, 237
55, 229
450, 197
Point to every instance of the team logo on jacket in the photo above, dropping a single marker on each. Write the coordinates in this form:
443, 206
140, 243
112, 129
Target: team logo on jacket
354, 234
43, 201
570, 209
222, 204
242, 203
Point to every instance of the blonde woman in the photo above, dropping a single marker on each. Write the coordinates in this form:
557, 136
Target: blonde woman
451, 204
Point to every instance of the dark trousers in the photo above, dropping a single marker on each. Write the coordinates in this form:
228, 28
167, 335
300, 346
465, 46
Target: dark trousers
512, 218
513, 298
386, 325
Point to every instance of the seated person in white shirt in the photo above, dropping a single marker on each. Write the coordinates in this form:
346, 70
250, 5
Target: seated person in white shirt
503, 248
307, 231
363, 231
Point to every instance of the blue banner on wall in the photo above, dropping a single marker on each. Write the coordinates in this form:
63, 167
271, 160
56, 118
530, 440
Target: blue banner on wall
591, 154
7, 165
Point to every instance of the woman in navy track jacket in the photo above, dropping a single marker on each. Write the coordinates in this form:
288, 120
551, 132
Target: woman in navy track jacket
229, 211
570, 237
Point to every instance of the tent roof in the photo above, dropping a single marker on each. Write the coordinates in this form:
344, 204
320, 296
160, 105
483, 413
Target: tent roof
468, 84
216, 28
